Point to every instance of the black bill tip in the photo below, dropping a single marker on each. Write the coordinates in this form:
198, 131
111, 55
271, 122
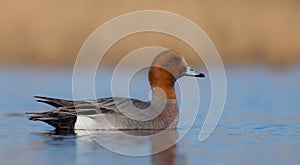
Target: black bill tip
200, 75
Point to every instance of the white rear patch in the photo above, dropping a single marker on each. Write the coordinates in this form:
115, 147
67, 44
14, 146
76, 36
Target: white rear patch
93, 122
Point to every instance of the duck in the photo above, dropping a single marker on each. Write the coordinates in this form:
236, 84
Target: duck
120, 113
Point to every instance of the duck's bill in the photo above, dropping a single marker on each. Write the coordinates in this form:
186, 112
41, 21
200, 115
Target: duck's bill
191, 72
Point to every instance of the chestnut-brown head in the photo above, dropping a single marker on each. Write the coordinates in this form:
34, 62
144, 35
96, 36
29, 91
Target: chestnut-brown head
167, 67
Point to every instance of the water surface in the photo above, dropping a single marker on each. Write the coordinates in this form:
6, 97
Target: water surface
260, 123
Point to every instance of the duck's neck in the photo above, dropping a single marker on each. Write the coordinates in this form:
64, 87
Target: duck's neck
163, 92
162, 84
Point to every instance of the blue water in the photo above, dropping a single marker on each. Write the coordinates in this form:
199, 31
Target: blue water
260, 123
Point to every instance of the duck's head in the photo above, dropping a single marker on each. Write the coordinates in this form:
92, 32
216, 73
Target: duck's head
167, 67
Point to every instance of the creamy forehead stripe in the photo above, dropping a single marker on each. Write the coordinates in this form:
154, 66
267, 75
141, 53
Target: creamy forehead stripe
184, 62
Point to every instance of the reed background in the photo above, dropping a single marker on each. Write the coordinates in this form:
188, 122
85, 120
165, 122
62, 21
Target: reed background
51, 32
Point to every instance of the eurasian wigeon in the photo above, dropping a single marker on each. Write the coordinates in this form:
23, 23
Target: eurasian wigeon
125, 113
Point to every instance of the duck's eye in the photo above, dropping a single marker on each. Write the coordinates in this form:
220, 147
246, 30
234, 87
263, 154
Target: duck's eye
174, 61
191, 69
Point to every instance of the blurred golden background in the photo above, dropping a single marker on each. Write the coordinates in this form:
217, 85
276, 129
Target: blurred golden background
51, 32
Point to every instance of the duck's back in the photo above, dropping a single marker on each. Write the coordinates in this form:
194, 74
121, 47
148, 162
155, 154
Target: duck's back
102, 114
